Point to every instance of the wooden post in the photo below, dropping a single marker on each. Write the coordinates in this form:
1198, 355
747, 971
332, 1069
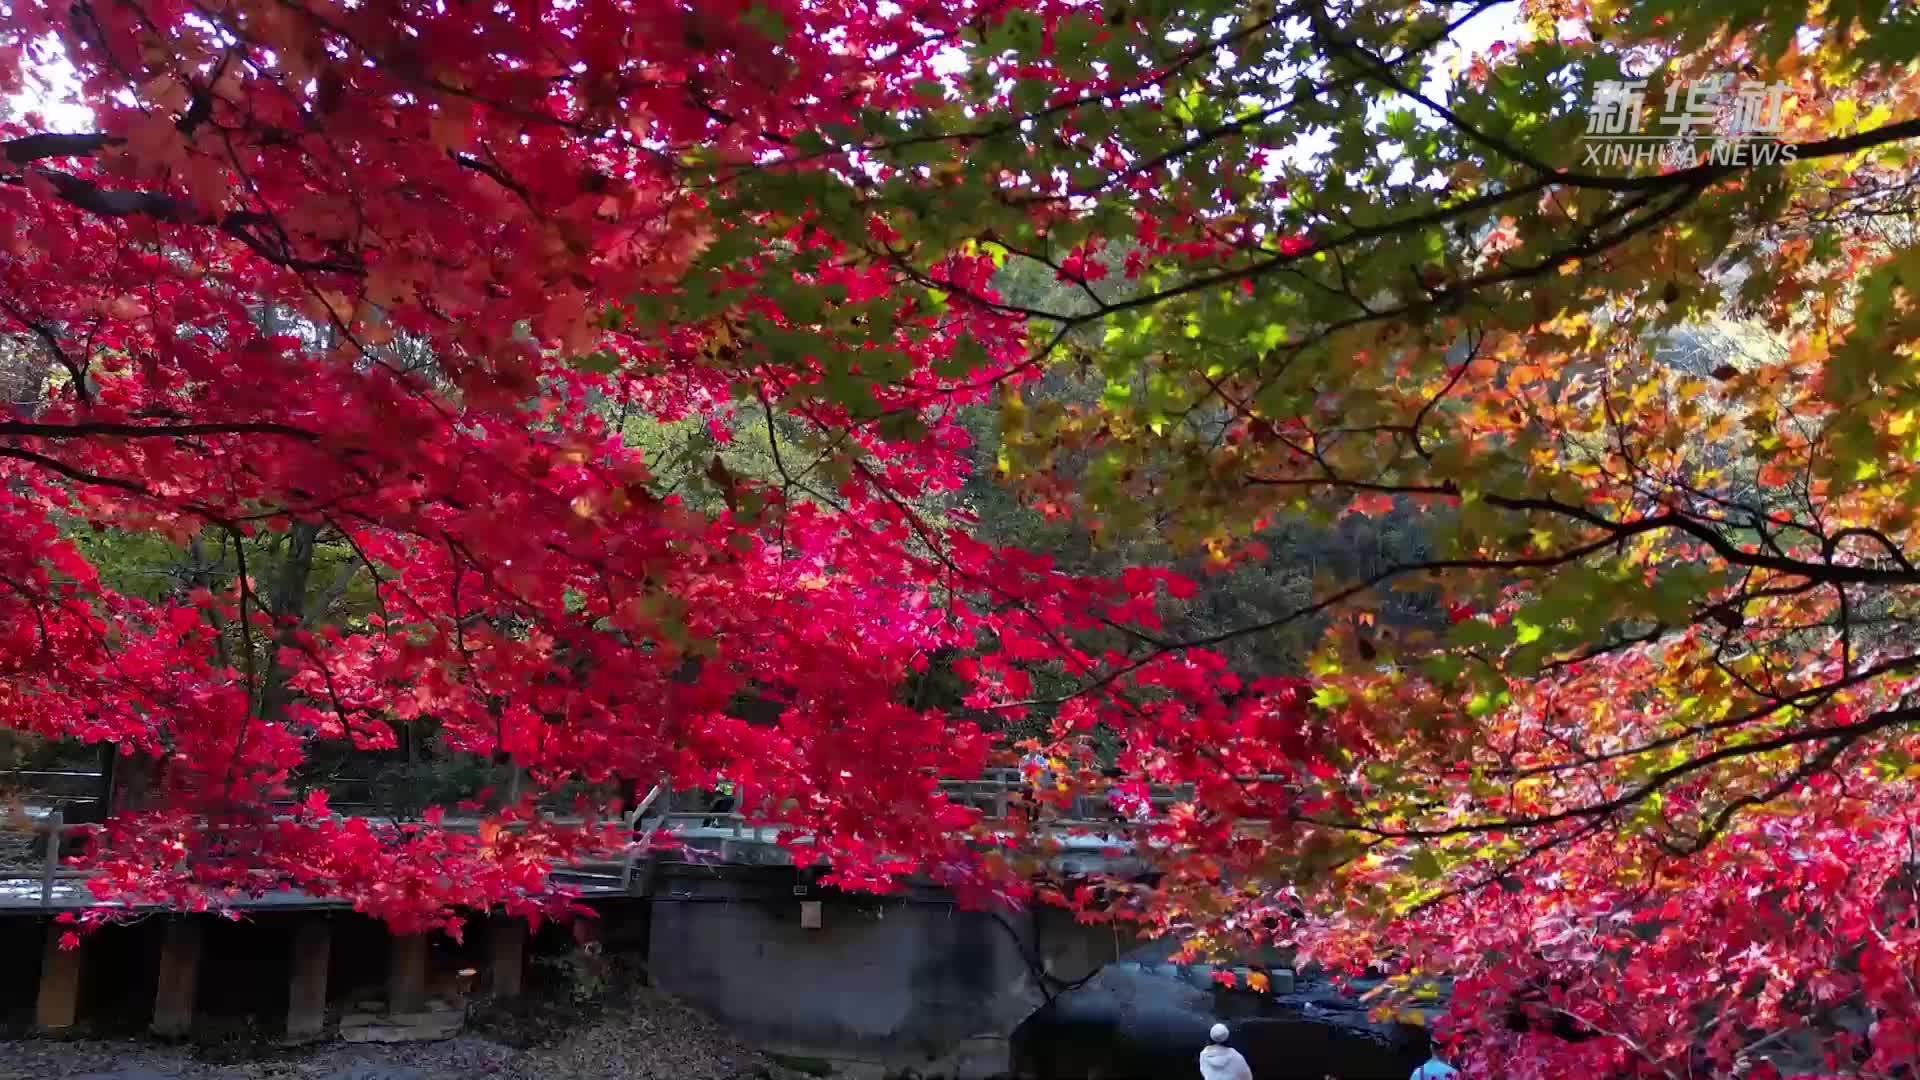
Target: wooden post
56, 827
638, 841
407, 973
506, 957
59, 1002
109, 766
179, 976
653, 875
307, 990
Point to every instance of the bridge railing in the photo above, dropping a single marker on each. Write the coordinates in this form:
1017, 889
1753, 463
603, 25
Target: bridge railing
999, 796
998, 792
50, 830
82, 788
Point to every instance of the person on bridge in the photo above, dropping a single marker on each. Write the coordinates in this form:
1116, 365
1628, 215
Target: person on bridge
1223, 1062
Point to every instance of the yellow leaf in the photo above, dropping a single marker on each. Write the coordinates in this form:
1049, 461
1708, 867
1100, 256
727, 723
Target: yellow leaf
1844, 112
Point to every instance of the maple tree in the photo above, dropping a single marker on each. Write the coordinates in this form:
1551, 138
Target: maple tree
386, 288
345, 276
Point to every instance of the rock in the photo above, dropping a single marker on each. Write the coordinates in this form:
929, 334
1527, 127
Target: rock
400, 1027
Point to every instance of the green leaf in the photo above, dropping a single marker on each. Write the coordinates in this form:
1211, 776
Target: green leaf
1426, 865
767, 21
599, 362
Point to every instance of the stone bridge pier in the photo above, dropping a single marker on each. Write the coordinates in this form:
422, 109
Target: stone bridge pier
870, 984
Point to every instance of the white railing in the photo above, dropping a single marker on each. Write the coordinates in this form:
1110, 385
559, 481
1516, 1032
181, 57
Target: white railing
999, 797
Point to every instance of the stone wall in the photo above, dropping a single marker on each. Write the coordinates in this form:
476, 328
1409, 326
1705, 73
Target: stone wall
881, 984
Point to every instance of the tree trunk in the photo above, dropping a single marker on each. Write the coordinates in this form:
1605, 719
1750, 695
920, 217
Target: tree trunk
287, 599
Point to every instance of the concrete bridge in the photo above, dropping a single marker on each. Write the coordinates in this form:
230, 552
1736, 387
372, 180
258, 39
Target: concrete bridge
870, 983
721, 917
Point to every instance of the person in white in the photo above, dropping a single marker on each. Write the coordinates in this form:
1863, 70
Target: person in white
1435, 1069
1223, 1062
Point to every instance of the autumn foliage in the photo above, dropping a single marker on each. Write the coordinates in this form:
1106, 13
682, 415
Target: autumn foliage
393, 282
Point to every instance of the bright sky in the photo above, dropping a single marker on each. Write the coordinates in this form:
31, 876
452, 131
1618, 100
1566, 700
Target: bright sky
1500, 22
53, 91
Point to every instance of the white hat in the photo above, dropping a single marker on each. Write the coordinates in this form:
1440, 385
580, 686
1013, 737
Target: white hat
1219, 1033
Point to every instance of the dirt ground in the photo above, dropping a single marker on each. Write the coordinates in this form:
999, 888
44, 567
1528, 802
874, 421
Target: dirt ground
632, 1033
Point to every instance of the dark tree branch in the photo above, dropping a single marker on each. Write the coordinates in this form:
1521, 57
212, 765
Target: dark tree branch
28, 149
76, 367
108, 429
85, 194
